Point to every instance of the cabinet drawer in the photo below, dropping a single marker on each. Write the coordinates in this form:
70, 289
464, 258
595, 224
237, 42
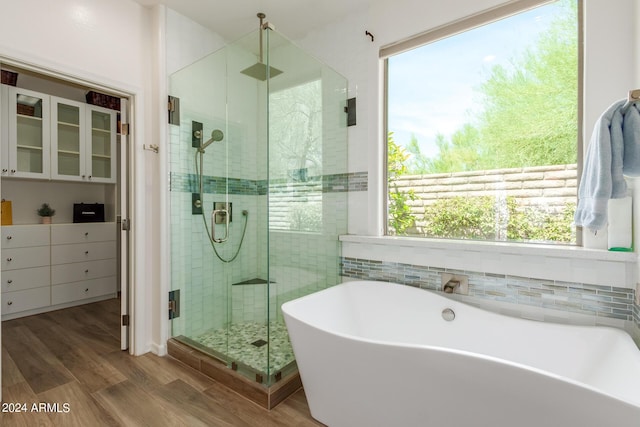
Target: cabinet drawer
69, 292
62, 234
14, 302
79, 271
25, 257
26, 278
23, 236
64, 254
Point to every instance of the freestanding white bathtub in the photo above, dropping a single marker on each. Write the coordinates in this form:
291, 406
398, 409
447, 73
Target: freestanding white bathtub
380, 354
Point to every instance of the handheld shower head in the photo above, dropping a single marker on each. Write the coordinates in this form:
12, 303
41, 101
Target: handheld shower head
216, 135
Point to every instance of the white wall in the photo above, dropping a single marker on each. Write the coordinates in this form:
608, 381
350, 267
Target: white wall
104, 42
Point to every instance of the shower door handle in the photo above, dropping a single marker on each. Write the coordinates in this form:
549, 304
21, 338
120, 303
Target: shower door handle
225, 213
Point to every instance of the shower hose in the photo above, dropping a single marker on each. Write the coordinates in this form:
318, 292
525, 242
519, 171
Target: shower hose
245, 214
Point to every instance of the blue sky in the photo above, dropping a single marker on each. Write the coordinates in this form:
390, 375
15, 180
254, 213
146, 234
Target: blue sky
431, 88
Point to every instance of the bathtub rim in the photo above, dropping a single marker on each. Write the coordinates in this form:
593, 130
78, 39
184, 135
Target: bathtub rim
465, 353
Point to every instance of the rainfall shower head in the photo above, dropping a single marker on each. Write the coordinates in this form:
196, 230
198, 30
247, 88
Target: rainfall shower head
216, 135
260, 71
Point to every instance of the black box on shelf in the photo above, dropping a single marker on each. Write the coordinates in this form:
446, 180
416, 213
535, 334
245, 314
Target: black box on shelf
86, 212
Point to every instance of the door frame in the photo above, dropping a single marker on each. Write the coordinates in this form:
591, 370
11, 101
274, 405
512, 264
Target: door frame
134, 172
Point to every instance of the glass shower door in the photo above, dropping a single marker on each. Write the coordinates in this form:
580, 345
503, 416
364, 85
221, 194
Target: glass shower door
199, 185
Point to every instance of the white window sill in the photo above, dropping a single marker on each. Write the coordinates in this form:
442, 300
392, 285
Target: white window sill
496, 247
548, 262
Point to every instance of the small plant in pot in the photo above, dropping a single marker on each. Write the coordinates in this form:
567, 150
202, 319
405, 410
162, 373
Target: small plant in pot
46, 212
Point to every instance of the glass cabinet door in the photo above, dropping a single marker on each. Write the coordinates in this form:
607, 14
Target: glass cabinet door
67, 140
28, 134
102, 146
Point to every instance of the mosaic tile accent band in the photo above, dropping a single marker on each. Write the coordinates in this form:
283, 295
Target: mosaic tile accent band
604, 301
188, 183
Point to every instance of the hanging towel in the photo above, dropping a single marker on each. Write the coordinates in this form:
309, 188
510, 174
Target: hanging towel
631, 137
602, 177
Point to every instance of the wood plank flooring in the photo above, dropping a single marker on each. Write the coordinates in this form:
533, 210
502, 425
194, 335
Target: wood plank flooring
72, 358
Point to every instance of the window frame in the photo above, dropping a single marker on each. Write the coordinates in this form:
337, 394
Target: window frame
451, 29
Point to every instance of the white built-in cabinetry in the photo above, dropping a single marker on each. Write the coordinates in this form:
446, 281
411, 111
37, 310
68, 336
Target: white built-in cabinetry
46, 267
73, 147
26, 153
54, 138
82, 142
26, 268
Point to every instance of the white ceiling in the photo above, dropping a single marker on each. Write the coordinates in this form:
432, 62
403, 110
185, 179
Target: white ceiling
233, 19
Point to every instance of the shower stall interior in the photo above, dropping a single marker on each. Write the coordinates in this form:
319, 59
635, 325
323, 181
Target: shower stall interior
262, 141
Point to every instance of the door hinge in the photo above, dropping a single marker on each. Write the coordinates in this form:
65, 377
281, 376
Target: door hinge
124, 129
126, 224
174, 110
125, 320
174, 304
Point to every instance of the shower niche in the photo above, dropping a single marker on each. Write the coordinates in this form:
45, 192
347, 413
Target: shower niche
260, 236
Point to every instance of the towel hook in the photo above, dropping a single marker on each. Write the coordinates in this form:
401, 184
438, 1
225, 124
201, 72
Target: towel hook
632, 98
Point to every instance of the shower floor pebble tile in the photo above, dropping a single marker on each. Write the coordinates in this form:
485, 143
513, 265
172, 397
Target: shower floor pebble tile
240, 348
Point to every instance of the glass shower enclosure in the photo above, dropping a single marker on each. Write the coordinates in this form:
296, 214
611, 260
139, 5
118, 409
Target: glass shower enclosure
258, 194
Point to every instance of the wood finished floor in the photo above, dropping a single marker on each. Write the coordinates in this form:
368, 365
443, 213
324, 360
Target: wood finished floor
73, 356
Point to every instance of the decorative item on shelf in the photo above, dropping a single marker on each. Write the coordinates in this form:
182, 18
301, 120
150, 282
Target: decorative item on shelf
102, 100
26, 110
8, 77
46, 212
6, 213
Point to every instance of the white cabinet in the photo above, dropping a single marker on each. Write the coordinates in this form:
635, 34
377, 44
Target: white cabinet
68, 147
26, 276
101, 145
28, 145
83, 261
47, 137
46, 267
83, 142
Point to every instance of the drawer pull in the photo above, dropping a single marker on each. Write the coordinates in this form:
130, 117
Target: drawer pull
87, 270
9, 237
86, 234
10, 281
86, 252
10, 303
9, 259
86, 290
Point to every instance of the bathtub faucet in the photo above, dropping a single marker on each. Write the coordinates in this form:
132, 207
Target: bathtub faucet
451, 286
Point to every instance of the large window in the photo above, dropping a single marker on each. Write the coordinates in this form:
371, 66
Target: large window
483, 128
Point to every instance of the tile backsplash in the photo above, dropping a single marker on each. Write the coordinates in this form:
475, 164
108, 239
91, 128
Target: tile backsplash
594, 300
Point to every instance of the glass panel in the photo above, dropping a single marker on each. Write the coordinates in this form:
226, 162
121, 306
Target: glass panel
100, 144
29, 134
68, 140
29, 159
101, 167
201, 278
68, 164
100, 121
307, 183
